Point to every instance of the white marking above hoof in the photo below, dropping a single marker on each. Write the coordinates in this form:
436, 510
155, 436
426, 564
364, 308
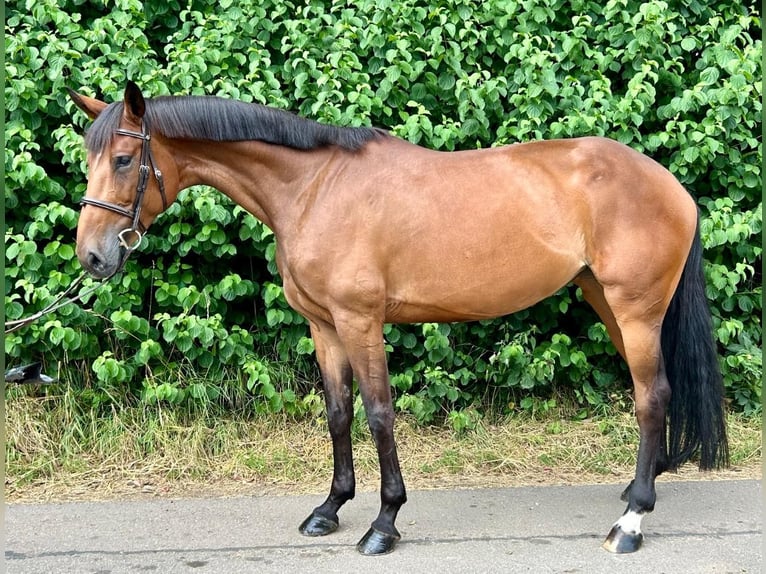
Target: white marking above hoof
625, 536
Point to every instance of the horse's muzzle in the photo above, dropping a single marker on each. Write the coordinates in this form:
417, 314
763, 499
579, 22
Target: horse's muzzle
101, 263
95, 264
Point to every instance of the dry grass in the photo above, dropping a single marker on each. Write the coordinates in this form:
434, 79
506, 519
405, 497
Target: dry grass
56, 454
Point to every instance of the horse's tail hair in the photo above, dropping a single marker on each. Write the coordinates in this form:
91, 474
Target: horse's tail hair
696, 420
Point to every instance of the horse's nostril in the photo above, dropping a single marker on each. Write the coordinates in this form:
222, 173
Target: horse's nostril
95, 263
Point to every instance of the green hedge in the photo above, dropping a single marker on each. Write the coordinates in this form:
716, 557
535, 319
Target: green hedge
199, 314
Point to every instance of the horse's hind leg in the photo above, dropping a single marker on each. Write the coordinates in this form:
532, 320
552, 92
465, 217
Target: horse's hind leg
593, 293
641, 339
337, 379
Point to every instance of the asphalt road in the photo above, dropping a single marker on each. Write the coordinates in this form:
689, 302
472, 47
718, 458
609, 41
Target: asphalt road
697, 527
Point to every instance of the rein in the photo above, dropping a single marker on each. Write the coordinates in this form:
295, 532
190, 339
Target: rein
137, 228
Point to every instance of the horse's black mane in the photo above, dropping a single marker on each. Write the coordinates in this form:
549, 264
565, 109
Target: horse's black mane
217, 119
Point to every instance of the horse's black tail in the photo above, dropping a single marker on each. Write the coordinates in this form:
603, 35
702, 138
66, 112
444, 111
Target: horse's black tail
696, 418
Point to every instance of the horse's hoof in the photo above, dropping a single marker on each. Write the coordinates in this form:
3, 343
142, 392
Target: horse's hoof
620, 542
376, 542
318, 525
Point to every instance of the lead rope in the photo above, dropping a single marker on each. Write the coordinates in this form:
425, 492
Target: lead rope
61, 301
11, 326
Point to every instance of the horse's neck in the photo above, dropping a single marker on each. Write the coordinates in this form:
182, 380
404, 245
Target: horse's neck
266, 180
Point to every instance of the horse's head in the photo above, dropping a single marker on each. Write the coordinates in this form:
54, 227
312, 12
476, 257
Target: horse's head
132, 178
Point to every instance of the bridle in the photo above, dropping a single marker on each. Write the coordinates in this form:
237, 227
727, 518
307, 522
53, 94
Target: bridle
137, 228
147, 164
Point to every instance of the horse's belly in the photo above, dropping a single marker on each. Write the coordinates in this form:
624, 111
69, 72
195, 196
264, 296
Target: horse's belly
482, 290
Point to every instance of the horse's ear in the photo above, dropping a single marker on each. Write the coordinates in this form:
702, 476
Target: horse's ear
90, 106
135, 106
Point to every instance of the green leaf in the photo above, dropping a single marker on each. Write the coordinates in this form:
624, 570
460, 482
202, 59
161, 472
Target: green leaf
688, 44
66, 252
305, 346
446, 82
709, 76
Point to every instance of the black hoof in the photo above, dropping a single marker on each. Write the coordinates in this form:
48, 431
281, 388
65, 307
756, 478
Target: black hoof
621, 542
376, 542
318, 525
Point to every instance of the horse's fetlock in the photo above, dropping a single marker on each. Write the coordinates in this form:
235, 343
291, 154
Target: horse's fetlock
641, 500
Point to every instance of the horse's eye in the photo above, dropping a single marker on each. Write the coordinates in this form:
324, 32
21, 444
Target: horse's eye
122, 161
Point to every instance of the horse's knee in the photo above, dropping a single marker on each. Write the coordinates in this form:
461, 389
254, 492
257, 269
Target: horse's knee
380, 419
339, 423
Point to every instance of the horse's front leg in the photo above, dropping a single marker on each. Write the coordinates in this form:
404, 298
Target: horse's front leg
337, 378
363, 340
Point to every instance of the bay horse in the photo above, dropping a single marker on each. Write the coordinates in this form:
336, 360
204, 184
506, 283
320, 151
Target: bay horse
371, 229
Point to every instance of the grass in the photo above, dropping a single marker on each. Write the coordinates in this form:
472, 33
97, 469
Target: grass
57, 450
